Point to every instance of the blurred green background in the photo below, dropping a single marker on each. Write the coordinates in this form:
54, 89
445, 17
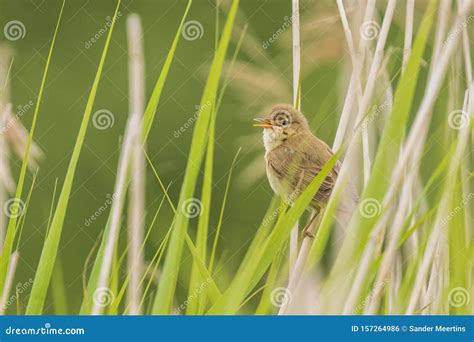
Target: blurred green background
69, 81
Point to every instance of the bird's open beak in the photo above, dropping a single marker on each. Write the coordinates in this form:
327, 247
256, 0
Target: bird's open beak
262, 123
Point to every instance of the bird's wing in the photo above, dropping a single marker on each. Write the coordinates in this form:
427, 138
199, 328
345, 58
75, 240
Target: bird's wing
297, 168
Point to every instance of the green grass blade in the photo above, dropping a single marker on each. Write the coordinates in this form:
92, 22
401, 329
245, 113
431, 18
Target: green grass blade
149, 116
221, 215
203, 225
275, 210
58, 290
156, 260
50, 248
150, 111
198, 306
121, 293
265, 306
12, 223
166, 289
51, 209
114, 280
86, 305
204, 273
459, 279
21, 224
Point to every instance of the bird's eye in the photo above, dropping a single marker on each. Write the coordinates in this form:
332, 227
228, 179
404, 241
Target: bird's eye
283, 120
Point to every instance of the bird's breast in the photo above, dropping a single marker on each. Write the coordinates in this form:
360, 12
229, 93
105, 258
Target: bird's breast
274, 178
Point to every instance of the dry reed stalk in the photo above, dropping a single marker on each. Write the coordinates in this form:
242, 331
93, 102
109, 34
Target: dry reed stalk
413, 146
357, 62
410, 8
345, 115
120, 189
351, 156
388, 260
391, 250
379, 230
443, 211
9, 281
368, 92
433, 299
356, 66
372, 249
405, 203
377, 59
298, 268
377, 236
394, 286
295, 29
348, 107
136, 210
444, 12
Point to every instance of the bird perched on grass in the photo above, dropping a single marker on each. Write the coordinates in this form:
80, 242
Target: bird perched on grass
294, 156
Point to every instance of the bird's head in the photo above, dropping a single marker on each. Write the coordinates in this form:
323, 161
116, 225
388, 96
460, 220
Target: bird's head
282, 123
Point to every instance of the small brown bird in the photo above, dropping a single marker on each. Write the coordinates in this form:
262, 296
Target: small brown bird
294, 156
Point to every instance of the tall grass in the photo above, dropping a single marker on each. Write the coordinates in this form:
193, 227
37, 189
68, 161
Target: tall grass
109, 238
165, 293
405, 246
50, 248
12, 223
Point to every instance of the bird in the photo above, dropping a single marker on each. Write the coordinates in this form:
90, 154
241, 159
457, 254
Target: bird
294, 156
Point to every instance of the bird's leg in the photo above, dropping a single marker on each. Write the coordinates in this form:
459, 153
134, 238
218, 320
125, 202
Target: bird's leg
306, 231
